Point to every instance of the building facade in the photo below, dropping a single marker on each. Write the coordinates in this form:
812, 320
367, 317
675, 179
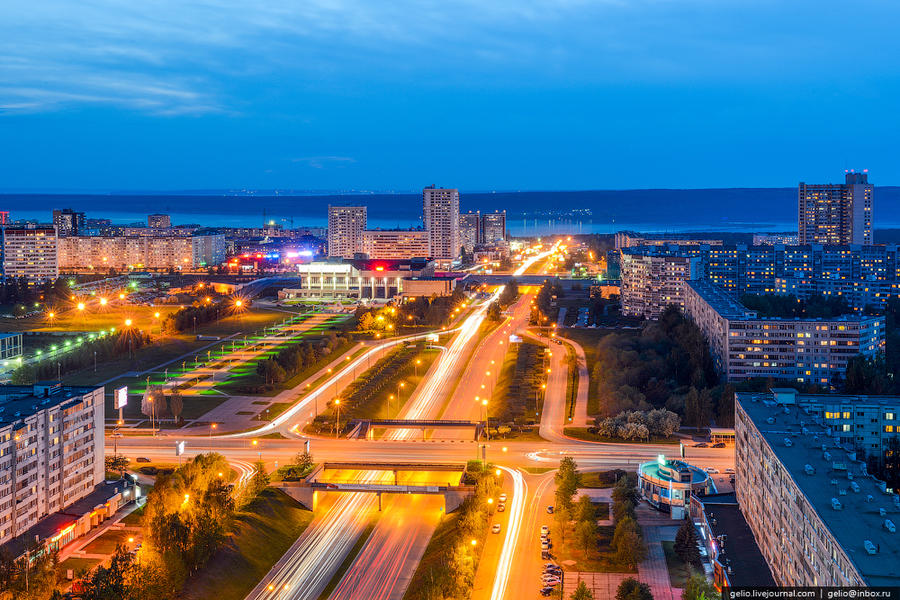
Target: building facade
395, 244
159, 221
493, 227
355, 279
836, 213
440, 213
91, 253
651, 282
51, 451
470, 230
68, 222
669, 484
30, 253
745, 346
10, 347
818, 518
345, 230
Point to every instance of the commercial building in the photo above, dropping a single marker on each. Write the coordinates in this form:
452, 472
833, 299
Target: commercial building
470, 230
29, 253
745, 345
68, 222
345, 227
159, 221
818, 518
92, 253
651, 282
440, 213
10, 347
836, 213
669, 485
395, 244
493, 227
355, 279
51, 451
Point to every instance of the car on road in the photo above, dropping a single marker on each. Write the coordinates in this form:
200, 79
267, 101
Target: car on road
711, 470
550, 510
502, 498
495, 528
701, 445
729, 470
143, 459
719, 445
501, 507
545, 529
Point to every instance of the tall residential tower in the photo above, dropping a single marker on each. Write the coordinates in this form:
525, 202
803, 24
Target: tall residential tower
345, 230
440, 211
833, 213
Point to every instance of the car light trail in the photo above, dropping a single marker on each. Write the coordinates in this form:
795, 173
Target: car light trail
516, 510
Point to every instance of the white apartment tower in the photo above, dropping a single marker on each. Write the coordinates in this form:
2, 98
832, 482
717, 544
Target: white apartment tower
440, 211
345, 230
833, 213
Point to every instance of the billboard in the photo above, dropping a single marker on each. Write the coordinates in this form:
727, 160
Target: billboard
179, 448
121, 397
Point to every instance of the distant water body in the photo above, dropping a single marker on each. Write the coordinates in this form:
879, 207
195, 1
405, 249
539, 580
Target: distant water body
528, 213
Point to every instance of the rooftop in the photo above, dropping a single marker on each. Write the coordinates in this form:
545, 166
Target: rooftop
738, 550
18, 402
854, 506
790, 395
666, 470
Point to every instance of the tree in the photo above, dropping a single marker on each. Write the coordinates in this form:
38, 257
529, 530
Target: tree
586, 535
176, 405
117, 463
493, 312
562, 515
304, 460
698, 587
108, 583
632, 589
568, 479
686, 544
581, 592
627, 542
260, 477
585, 510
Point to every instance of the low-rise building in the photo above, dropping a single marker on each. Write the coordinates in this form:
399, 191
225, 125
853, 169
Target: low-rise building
669, 484
355, 279
652, 281
10, 346
745, 345
818, 518
51, 451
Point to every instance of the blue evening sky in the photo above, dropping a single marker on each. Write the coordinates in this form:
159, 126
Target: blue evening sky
476, 94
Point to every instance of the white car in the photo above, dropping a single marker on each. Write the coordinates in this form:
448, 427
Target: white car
711, 470
502, 498
495, 528
729, 470
545, 529
545, 546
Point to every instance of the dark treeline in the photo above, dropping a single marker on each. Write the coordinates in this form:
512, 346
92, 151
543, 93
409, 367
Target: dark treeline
109, 347
543, 302
509, 295
22, 296
199, 313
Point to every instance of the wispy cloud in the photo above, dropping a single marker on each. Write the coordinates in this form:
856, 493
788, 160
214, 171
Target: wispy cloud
322, 162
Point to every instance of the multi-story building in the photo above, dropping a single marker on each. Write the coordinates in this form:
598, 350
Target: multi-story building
630, 239
159, 221
91, 253
833, 213
10, 347
440, 213
651, 282
818, 518
493, 227
395, 244
68, 222
30, 253
345, 230
745, 346
470, 230
770, 239
361, 279
51, 451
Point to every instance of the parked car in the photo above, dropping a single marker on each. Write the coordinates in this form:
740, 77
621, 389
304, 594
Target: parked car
701, 445
550, 510
545, 529
719, 445
142, 459
501, 507
502, 498
495, 528
545, 546
729, 470
711, 470
546, 591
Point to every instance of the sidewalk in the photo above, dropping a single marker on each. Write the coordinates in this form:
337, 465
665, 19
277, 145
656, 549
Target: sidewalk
656, 527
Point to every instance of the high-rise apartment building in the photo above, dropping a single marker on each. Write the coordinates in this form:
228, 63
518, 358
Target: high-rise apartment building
836, 213
159, 221
470, 230
68, 222
745, 346
395, 244
29, 253
818, 517
493, 227
440, 211
51, 451
98, 253
651, 282
345, 228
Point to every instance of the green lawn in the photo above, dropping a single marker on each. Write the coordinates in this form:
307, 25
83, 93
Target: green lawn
581, 433
679, 571
106, 543
598, 560
78, 565
598, 479
262, 533
433, 558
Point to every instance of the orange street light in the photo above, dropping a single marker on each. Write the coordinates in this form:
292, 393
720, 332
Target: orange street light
121, 296
156, 315
238, 303
103, 301
127, 322
81, 306
255, 442
474, 542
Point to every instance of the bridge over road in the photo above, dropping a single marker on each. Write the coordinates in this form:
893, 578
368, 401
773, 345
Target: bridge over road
364, 428
307, 491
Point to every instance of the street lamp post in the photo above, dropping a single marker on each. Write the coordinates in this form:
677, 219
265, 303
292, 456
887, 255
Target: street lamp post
337, 404
211, 427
